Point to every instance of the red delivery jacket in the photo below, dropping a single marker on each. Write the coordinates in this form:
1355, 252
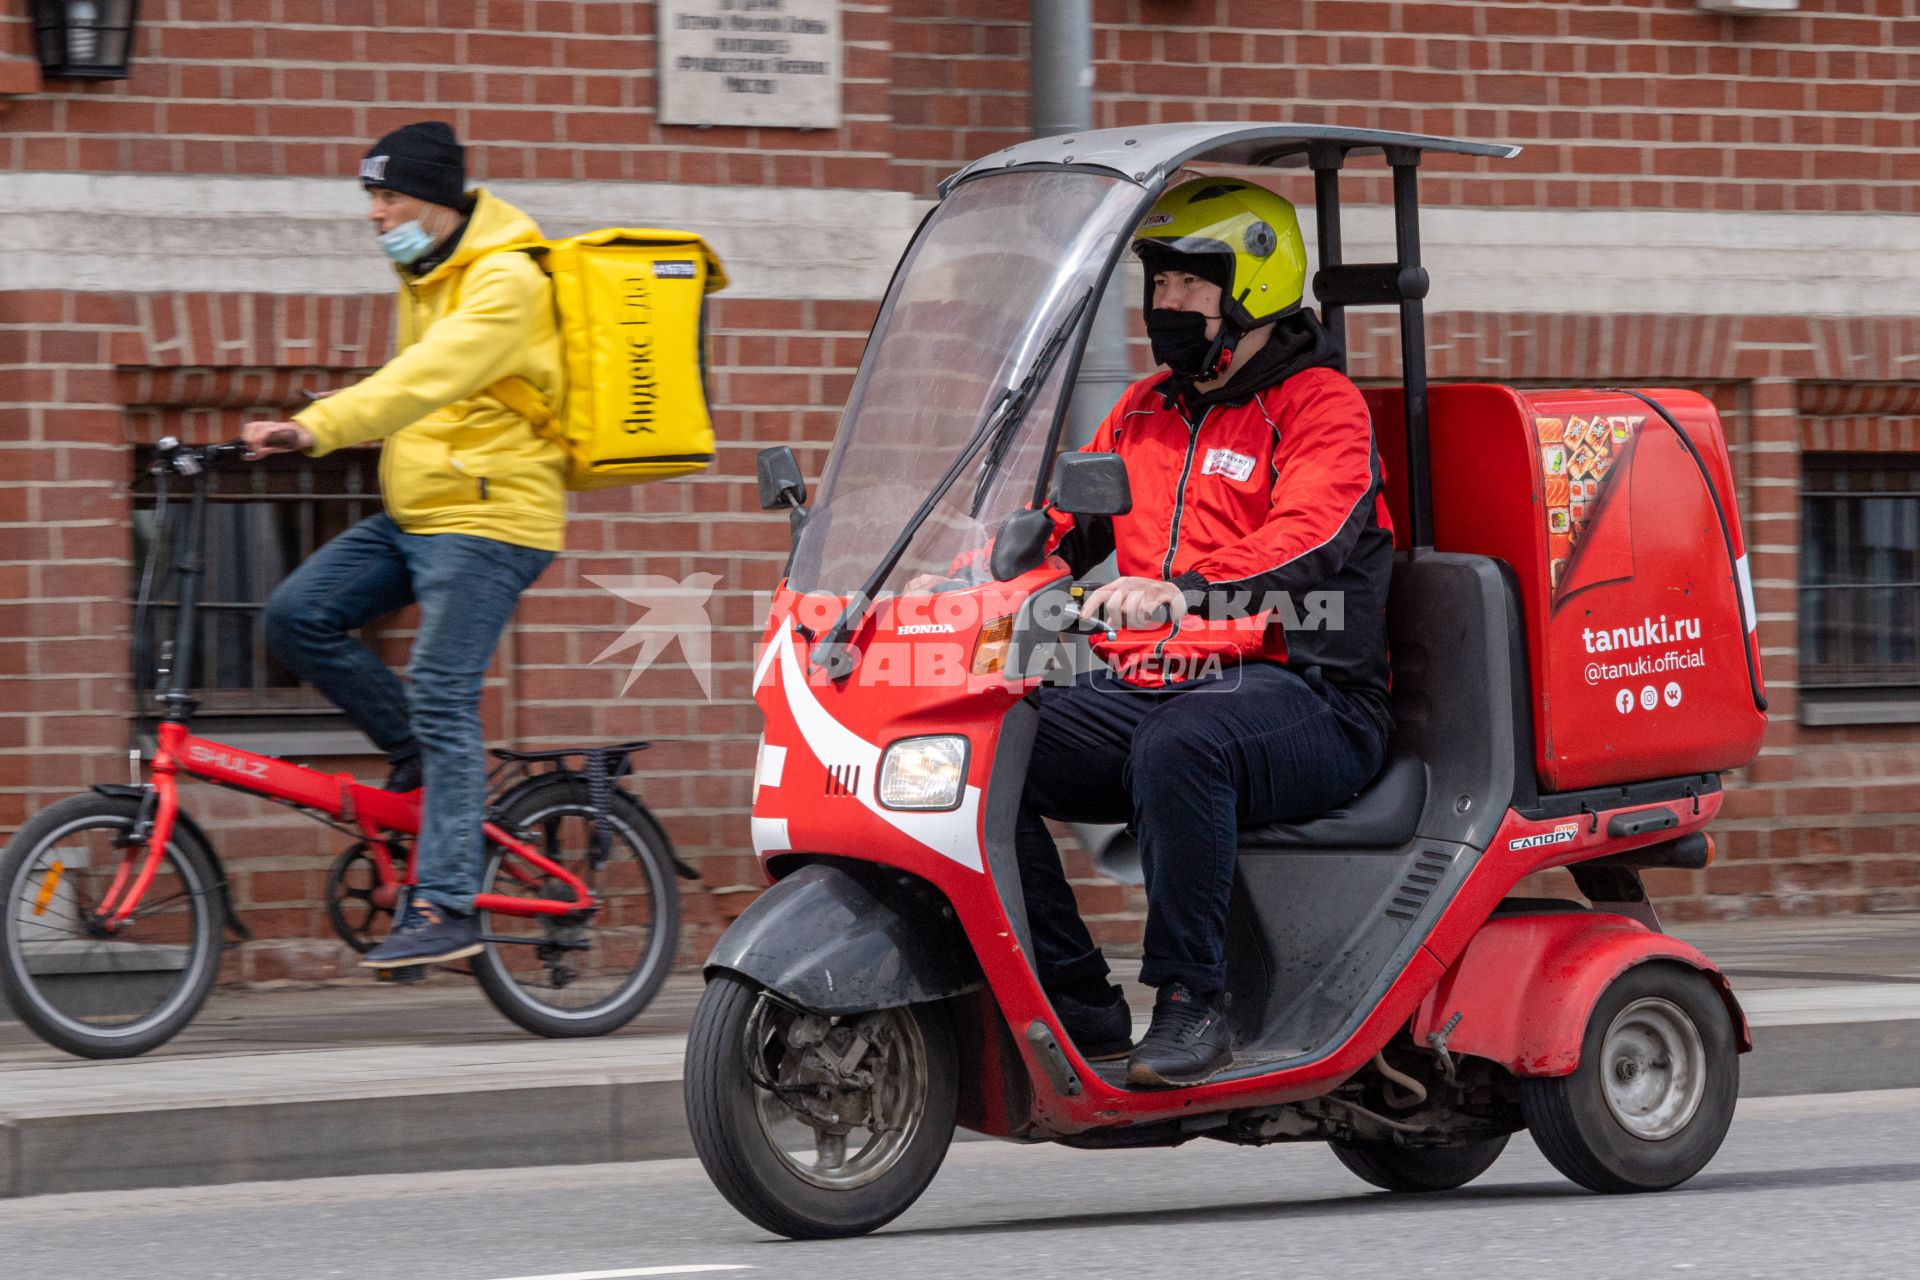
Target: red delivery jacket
1266, 505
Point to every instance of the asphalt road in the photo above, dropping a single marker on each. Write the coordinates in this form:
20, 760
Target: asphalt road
1825, 1186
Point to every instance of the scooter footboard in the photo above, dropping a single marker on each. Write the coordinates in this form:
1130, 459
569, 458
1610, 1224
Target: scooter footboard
838, 941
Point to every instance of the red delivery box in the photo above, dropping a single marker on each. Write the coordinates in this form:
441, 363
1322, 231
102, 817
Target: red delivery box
1623, 534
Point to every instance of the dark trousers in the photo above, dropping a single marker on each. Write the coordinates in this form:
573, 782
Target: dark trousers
1186, 768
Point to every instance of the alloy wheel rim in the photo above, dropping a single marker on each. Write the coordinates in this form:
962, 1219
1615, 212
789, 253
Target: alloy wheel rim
1653, 1068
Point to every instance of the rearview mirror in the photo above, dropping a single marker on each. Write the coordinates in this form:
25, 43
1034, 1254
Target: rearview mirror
1020, 544
781, 484
1091, 484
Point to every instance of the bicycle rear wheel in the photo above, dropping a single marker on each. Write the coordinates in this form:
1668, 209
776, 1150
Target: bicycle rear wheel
95, 993
581, 975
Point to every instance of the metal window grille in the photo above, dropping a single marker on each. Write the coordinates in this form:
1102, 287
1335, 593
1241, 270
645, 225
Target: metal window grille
1860, 571
262, 521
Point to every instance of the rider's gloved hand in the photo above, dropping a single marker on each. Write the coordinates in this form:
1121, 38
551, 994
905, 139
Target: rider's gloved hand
263, 438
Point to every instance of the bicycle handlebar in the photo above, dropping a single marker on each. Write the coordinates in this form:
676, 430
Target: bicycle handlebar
189, 460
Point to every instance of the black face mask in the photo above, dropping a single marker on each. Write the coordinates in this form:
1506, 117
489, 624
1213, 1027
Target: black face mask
1180, 342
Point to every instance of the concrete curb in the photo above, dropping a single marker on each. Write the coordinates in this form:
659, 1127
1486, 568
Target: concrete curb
598, 1120
1831, 1057
578, 1123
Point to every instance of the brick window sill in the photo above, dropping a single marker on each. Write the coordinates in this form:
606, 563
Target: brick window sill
295, 742
1848, 709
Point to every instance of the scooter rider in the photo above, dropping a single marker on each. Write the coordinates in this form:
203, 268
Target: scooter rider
1248, 682
475, 511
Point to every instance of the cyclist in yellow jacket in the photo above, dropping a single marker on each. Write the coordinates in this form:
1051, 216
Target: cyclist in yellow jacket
474, 510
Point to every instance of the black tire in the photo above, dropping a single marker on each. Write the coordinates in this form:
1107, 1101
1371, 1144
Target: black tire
1395, 1168
1608, 1143
74, 989
727, 1110
631, 959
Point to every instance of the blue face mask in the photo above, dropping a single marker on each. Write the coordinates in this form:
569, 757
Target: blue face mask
407, 243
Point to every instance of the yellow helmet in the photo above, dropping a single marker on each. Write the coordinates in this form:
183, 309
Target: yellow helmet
1255, 232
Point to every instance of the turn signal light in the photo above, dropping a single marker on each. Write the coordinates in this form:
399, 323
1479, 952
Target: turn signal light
990, 650
1712, 848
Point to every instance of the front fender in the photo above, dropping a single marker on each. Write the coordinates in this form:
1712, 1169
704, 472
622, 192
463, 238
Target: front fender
228, 912
1526, 985
837, 942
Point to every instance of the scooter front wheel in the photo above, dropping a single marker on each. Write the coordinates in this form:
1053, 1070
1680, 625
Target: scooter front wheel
816, 1126
1655, 1090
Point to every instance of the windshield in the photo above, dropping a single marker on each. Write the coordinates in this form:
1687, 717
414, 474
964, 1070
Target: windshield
1000, 265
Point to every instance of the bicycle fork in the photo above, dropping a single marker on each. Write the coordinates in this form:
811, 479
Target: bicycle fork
153, 829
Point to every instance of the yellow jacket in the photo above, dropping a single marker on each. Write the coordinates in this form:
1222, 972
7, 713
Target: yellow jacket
456, 460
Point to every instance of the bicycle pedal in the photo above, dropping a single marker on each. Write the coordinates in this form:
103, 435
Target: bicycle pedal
412, 973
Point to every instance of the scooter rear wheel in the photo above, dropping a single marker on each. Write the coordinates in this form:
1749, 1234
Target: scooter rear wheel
1393, 1168
1655, 1090
765, 1098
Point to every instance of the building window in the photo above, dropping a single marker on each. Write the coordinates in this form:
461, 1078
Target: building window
1860, 587
263, 519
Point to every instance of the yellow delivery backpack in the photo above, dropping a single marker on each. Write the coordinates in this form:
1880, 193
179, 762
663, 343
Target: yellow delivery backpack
631, 305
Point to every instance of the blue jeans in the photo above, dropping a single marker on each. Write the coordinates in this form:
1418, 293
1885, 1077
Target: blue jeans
1186, 767
466, 588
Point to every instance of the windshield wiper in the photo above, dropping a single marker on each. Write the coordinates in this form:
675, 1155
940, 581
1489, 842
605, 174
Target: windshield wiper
998, 424
1019, 399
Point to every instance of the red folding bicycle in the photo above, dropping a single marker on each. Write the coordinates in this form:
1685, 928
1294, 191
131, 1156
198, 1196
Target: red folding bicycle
116, 901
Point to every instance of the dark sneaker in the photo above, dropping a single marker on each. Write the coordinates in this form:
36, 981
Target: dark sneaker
425, 935
405, 776
1102, 1032
1188, 1041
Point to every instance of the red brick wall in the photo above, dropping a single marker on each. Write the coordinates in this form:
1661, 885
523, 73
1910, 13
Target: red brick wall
1642, 103
82, 376
1647, 105
1822, 821
550, 88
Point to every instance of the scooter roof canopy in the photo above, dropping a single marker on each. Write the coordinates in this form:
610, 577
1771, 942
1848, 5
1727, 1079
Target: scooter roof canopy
1141, 154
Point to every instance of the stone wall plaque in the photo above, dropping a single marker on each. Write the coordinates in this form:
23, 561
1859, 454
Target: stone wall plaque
752, 62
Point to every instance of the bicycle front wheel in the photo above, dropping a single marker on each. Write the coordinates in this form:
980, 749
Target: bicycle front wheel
95, 992
590, 974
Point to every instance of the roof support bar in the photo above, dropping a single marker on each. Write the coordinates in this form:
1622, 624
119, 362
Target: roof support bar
1413, 343
1326, 157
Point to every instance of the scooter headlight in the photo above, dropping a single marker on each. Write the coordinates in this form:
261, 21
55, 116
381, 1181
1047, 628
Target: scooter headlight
924, 773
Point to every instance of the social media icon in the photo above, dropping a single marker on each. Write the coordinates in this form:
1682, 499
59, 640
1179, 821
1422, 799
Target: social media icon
1624, 700
1673, 693
1649, 697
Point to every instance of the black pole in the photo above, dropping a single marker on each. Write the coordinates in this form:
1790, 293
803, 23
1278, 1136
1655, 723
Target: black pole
1413, 342
1325, 160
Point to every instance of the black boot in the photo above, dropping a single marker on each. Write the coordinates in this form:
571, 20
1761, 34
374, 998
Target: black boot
1102, 1030
1188, 1042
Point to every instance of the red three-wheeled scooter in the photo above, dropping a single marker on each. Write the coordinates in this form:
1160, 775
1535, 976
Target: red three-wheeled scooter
1574, 666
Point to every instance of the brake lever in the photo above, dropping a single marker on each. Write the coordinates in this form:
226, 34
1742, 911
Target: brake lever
1072, 614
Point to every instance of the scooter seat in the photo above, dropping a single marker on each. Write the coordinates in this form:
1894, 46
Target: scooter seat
1382, 816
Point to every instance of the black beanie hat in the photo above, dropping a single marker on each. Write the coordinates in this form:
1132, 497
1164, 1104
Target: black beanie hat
424, 160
